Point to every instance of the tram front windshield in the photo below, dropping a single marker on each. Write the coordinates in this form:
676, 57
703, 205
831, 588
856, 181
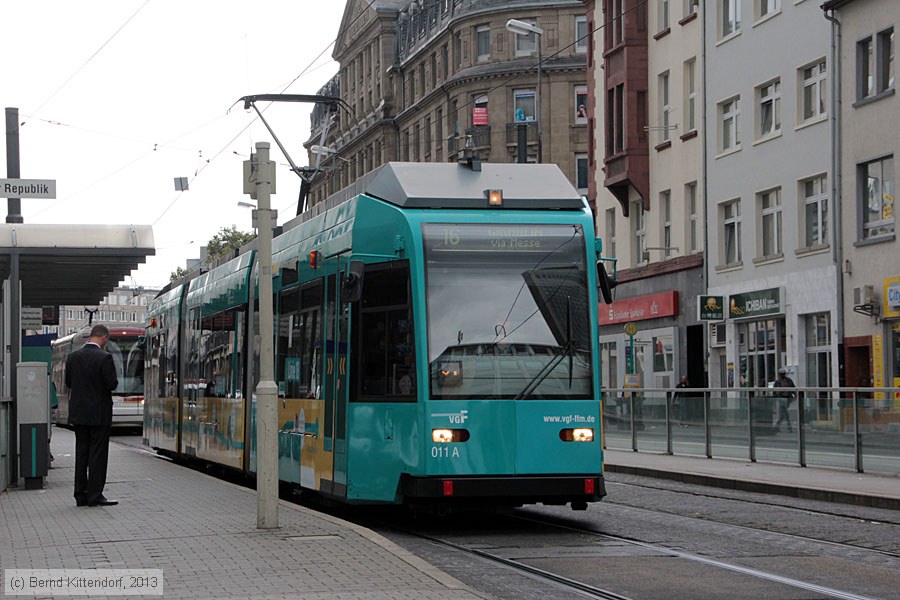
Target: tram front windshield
128, 356
507, 311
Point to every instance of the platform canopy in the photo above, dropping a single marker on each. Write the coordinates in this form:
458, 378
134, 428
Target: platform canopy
72, 264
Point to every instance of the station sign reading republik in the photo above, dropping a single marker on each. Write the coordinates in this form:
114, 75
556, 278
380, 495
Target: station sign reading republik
27, 188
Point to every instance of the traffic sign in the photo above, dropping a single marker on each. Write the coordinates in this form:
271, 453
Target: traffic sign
630, 328
31, 317
27, 188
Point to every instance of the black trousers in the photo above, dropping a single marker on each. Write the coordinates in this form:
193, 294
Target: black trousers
91, 458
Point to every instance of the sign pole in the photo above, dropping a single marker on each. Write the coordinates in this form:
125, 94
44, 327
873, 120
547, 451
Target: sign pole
14, 205
266, 391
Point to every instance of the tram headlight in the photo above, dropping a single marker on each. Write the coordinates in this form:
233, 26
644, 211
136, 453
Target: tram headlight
577, 435
439, 436
443, 436
583, 435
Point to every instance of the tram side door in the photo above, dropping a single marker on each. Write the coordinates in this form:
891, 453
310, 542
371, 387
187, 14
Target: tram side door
190, 434
336, 367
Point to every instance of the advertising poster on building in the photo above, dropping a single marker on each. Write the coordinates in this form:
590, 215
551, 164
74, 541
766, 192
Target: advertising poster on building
755, 304
878, 365
710, 308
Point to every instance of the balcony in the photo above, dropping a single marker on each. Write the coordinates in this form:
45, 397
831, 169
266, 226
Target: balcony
477, 138
512, 132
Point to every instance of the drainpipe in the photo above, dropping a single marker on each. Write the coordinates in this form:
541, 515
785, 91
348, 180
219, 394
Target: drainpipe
836, 176
705, 186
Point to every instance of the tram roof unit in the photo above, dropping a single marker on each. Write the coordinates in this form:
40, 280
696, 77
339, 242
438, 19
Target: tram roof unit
458, 186
72, 264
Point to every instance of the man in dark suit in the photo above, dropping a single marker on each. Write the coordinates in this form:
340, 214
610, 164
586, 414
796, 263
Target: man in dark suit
91, 378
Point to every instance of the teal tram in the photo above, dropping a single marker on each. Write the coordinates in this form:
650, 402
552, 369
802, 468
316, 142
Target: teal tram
436, 344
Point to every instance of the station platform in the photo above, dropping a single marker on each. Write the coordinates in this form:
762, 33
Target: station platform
811, 483
201, 531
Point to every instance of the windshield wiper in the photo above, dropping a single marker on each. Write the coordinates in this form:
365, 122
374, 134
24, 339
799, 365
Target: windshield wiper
567, 349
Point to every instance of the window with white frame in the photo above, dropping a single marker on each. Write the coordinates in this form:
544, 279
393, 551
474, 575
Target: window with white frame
526, 44
665, 108
523, 100
865, 57
770, 221
690, 193
665, 205
690, 95
609, 244
876, 181
581, 115
730, 124
815, 92
729, 17
886, 60
638, 232
483, 41
691, 7
581, 172
815, 211
663, 14
581, 34
769, 99
731, 232
767, 7
818, 361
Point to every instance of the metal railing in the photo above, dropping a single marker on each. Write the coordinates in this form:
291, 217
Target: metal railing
848, 428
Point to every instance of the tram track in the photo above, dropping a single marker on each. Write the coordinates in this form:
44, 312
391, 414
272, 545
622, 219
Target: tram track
565, 583
697, 494
592, 591
666, 551
795, 536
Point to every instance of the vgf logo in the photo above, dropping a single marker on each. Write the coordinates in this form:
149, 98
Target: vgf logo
456, 418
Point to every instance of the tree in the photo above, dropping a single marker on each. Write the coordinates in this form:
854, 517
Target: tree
177, 274
225, 242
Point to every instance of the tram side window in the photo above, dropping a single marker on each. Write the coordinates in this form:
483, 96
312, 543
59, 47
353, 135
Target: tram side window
386, 336
299, 345
221, 340
169, 357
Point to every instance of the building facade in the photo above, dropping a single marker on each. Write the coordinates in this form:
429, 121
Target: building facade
868, 130
425, 78
649, 193
122, 307
773, 246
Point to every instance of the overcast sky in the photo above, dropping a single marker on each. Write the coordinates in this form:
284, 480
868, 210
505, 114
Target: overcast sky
119, 97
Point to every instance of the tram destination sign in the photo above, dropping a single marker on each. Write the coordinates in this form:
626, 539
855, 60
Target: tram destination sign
27, 188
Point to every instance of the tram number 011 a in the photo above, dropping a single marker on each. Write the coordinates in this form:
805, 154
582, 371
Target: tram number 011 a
444, 452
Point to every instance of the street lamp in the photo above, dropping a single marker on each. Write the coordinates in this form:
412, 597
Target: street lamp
523, 28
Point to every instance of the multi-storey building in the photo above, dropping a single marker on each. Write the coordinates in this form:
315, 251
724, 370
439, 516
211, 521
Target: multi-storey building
424, 78
868, 133
123, 307
648, 189
772, 242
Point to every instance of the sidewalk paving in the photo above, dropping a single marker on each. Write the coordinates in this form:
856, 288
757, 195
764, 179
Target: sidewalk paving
812, 483
201, 531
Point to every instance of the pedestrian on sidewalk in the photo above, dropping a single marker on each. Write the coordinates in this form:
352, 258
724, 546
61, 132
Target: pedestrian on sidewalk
680, 401
91, 378
784, 398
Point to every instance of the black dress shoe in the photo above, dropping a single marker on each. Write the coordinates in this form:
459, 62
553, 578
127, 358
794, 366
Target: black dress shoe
80, 501
103, 501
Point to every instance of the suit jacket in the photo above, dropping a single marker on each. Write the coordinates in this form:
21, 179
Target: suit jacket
91, 378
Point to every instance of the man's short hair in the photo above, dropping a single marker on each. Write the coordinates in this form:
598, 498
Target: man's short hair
99, 331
